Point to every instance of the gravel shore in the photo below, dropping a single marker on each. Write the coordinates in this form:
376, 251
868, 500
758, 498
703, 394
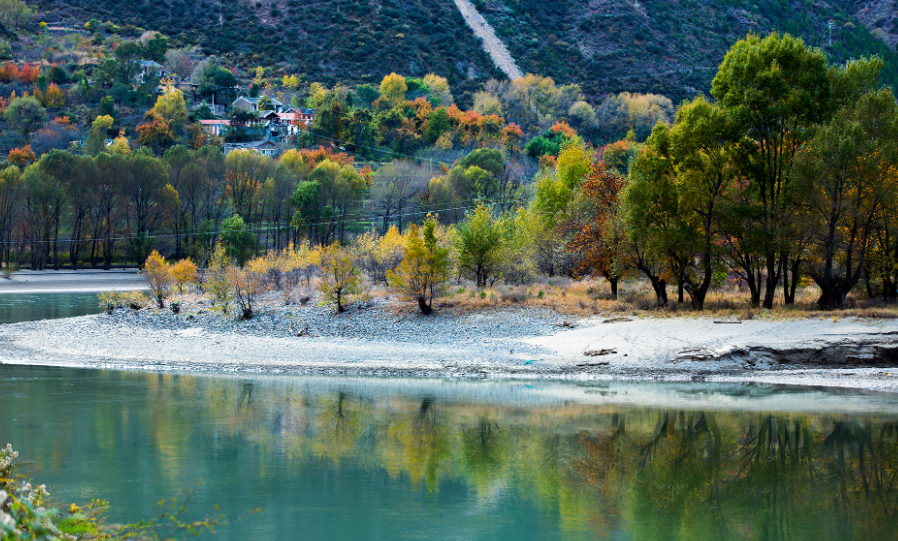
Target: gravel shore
381, 339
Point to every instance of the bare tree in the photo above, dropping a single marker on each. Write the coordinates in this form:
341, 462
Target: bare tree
396, 189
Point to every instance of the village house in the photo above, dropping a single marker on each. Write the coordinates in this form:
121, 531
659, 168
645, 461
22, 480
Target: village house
246, 103
215, 127
266, 147
288, 123
150, 68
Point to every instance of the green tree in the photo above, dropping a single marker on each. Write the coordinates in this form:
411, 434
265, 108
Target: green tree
239, 244
26, 115
478, 243
848, 173
156, 47
776, 90
128, 55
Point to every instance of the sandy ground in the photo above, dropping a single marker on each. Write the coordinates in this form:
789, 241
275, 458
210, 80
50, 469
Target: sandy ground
69, 281
847, 353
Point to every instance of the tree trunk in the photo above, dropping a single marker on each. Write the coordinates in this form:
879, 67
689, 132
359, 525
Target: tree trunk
791, 286
832, 296
773, 278
426, 308
613, 283
680, 287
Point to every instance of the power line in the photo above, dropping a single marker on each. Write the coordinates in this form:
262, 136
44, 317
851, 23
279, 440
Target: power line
348, 218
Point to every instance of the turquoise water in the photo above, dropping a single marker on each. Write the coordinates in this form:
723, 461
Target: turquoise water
33, 306
355, 458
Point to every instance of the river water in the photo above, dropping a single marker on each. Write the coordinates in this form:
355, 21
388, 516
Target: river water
369, 458
33, 306
331, 458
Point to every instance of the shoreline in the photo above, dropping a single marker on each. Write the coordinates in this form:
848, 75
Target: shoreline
509, 344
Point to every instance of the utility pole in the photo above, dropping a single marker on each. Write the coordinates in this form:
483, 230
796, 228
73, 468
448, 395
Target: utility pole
830, 25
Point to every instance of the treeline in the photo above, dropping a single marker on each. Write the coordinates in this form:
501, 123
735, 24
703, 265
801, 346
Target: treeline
117, 206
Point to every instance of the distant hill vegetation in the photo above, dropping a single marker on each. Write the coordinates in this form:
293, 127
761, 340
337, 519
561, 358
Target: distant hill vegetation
671, 47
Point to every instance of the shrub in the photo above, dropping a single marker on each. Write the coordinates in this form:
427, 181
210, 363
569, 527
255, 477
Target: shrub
110, 301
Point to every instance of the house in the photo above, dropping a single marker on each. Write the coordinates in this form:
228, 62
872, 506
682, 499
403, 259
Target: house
149, 68
252, 104
288, 123
266, 147
307, 116
215, 127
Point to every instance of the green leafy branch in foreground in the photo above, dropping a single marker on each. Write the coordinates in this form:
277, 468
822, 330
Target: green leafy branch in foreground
26, 513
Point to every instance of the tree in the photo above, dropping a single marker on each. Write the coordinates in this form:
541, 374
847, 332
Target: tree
128, 55
120, 144
173, 109
156, 48
238, 243
11, 200
44, 202
776, 90
181, 61
13, 13
21, 157
25, 114
155, 133
701, 147
159, 276
340, 277
395, 188
96, 139
393, 88
424, 268
849, 178
440, 93
210, 77
597, 240
478, 243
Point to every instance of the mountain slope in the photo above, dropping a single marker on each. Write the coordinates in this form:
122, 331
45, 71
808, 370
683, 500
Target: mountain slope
671, 47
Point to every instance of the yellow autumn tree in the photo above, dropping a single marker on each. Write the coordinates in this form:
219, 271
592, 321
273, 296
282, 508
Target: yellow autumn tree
159, 276
425, 266
184, 272
393, 88
340, 277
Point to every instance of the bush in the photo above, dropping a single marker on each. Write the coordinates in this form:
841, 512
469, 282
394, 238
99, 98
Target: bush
135, 300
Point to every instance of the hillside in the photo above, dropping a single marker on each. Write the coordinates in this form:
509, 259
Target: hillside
671, 47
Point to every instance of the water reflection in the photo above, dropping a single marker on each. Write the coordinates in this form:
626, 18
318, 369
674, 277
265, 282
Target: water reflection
334, 460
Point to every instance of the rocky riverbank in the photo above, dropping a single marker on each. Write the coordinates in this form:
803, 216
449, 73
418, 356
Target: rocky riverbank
380, 339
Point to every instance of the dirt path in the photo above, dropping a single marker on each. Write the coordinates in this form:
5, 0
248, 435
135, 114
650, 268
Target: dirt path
491, 43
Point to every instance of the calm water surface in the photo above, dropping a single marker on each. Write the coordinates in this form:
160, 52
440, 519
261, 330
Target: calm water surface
33, 306
330, 458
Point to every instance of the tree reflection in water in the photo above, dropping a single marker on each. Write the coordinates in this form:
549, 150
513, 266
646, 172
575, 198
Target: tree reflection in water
606, 471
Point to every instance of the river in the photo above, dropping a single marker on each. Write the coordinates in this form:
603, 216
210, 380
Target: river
376, 458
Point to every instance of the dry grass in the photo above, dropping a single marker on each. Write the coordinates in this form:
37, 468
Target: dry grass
636, 298
582, 299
